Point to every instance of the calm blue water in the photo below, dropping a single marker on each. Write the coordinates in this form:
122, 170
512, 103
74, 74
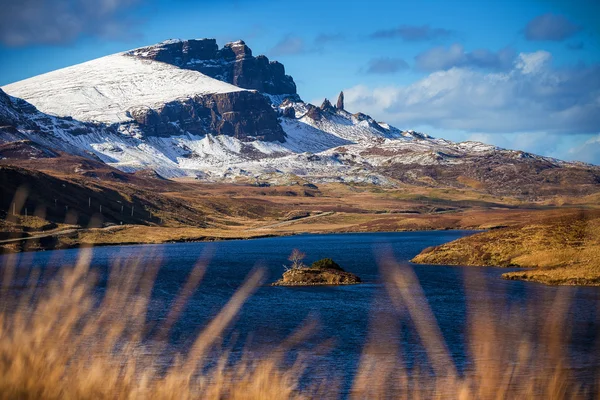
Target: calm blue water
343, 312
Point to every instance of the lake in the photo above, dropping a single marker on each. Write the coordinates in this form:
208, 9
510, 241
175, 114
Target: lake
343, 312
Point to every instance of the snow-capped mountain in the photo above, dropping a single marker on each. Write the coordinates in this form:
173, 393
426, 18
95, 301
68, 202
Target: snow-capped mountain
188, 108
111, 89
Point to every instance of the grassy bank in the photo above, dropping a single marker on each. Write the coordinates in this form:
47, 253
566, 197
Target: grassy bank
560, 250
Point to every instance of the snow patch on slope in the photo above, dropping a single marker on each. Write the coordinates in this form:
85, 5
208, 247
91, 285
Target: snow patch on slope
105, 89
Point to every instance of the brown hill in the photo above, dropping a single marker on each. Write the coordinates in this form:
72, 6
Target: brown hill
563, 250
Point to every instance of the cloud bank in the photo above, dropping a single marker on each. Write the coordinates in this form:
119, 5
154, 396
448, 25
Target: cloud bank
530, 97
588, 151
442, 58
412, 33
31, 22
289, 45
385, 65
550, 27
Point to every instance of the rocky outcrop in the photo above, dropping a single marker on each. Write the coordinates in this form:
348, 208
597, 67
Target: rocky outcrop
234, 63
340, 102
17, 114
289, 112
322, 272
313, 276
327, 106
244, 115
318, 113
314, 113
366, 118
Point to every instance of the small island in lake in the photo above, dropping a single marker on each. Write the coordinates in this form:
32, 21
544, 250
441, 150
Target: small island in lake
322, 272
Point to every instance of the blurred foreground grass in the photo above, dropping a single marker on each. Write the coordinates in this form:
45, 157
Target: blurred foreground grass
64, 341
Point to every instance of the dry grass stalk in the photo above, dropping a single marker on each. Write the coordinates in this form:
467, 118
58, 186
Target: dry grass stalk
511, 359
61, 342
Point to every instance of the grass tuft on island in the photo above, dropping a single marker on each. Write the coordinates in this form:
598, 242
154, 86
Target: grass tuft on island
321, 272
560, 251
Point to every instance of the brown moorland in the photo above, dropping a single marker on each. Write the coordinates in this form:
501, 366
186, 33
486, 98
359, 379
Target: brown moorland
78, 201
563, 249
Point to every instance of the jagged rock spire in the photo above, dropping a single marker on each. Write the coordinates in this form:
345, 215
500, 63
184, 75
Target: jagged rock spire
340, 101
326, 105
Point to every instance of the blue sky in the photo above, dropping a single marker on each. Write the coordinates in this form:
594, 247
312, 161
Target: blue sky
519, 74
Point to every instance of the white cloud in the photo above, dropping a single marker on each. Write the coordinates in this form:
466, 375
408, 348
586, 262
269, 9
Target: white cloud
550, 27
27, 22
440, 58
443, 58
587, 152
530, 63
289, 45
530, 97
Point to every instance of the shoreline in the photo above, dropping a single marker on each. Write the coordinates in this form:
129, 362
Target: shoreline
479, 247
218, 239
523, 273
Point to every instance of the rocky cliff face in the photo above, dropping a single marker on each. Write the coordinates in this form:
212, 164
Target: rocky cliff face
243, 115
8, 114
15, 113
234, 63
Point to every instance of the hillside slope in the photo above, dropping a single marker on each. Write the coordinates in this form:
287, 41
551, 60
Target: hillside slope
563, 250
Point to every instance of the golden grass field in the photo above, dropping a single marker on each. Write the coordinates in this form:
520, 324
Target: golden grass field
225, 211
559, 249
62, 341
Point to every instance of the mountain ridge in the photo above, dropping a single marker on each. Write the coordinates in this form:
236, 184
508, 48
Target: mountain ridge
234, 63
156, 108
